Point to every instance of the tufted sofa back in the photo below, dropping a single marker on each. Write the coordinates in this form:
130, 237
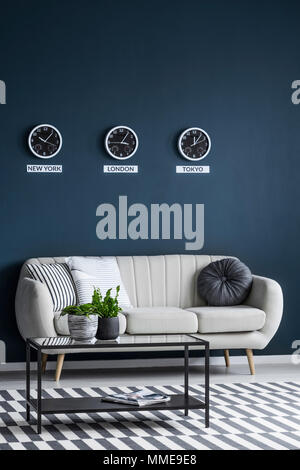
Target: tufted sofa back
163, 280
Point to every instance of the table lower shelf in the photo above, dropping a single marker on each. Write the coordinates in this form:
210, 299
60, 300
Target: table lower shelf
96, 405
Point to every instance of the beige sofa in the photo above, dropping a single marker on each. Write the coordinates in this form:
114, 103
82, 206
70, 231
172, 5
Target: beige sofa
163, 293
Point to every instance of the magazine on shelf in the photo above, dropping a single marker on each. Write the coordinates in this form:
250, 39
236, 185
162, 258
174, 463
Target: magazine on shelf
139, 398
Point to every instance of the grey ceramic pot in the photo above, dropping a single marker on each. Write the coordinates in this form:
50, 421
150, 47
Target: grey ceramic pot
83, 328
108, 328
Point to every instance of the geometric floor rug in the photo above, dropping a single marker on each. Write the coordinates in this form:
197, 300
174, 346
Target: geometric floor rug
248, 416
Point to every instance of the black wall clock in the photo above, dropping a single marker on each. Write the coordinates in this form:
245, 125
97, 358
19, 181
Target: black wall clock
121, 142
194, 144
45, 141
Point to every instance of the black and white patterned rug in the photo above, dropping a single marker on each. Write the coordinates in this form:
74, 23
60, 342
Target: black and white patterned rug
252, 416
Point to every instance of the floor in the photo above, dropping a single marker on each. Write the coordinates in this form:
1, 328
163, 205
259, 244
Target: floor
237, 373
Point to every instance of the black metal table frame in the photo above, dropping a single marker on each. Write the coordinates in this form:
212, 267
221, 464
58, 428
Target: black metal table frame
187, 404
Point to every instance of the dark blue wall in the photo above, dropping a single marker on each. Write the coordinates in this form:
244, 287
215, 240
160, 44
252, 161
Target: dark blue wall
158, 66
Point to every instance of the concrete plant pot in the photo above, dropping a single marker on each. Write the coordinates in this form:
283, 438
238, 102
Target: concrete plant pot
108, 328
83, 328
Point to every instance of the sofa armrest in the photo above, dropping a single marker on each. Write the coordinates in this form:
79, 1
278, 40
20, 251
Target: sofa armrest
266, 294
34, 309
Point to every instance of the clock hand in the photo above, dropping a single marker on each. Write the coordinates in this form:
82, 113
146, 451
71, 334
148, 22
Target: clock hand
125, 137
124, 143
48, 136
45, 141
195, 143
50, 143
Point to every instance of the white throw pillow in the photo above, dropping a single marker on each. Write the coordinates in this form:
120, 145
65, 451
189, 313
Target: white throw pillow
102, 273
59, 281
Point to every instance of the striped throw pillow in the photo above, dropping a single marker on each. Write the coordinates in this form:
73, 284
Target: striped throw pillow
59, 281
102, 273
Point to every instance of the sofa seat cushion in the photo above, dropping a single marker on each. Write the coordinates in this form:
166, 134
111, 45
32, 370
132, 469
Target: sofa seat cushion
61, 324
237, 318
159, 320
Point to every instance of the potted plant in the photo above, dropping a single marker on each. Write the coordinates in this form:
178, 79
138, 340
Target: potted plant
107, 309
82, 321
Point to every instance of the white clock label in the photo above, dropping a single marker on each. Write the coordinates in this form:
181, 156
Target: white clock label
121, 169
192, 170
44, 168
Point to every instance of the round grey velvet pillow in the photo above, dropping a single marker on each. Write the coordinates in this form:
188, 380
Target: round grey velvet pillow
225, 282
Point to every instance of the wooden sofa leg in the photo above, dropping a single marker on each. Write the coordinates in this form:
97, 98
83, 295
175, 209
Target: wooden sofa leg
226, 356
44, 362
59, 365
249, 353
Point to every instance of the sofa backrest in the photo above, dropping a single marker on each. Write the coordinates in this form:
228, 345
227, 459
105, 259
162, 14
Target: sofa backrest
162, 280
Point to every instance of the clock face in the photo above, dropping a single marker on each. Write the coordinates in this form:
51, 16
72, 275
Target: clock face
121, 142
45, 141
194, 144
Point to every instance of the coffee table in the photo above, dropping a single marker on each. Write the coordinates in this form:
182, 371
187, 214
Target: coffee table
44, 406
